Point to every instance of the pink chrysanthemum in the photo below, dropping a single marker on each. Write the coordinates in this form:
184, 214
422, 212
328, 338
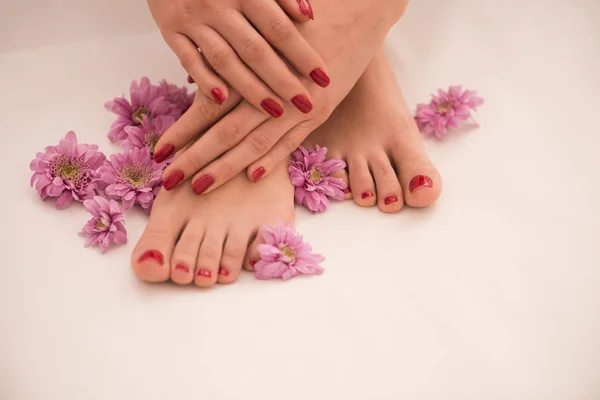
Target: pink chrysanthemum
146, 99
310, 175
67, 171
107, 224
178, 97
284, 254
447, 110
147, 134
132, 177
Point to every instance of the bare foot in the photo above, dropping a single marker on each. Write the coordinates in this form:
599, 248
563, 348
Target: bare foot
375, 133
208, 239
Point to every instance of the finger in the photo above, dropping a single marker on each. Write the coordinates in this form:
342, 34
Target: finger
191, 60
299, 10
225, 134
227, 64
283, 35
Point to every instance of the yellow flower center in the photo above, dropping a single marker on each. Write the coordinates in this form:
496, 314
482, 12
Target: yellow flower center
100, 225
289, 253
443, 107
68, 171
138, 114
316, 174
151, 140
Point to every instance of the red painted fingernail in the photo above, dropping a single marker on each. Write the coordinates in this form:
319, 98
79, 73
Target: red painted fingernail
223, 271
152, 255
164, 153
190, 79
367, 194
272, 108
171, 181
302, 103
320, 77
203, 272
305, 8
203, 183
257, 174
218, 95
390, 199
419, 181
183, 268
347, 190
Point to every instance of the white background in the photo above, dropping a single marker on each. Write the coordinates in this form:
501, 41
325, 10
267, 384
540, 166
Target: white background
493, 293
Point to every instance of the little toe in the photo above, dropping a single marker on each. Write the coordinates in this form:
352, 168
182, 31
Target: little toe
233, 256
361, 182
389, 192
342, 173
209, 257
252, 254
185, 255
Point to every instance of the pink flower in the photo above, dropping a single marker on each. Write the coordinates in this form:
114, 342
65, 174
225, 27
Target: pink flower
146, 99
132, 177
67, 171
147, 134
177, 96
447, 110
284, 254
310, 175
107, 224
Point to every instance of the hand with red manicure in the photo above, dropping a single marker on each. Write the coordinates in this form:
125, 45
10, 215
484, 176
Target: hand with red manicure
237, 40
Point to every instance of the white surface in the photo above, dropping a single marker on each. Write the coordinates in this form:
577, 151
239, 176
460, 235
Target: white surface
491, 294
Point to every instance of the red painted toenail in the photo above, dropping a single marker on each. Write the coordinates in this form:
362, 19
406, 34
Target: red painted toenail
272, 107
218, 96
223, 271
390, 199
204, 272
152, 255
320, 77
302, 103
171, 181
347, 190
257, 174
183, 268
367, 194
203, 183
190, 79
164, 153
419, 181
305, 8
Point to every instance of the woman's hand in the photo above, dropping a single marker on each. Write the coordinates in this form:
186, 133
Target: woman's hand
238, 40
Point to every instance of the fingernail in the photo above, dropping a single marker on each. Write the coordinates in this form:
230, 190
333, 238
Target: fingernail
305, 8
257, 174
171, 181
203, 183
152, 255
183, 268
218, 95
223, 271
190, 79
320, 77
390, 199
164, 153
204, 272
367, 194
419, 181
347, 190
272, 108
302, 103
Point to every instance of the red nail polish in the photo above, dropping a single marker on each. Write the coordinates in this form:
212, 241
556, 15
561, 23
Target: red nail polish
419, 181
171, 181
190, 79
223, 271
203, 183
347, 190
320, 77
257, 174
305, 8
204, 273
302, 103
152, 255
183, 268
252, 263
164, 153
367, 194
218, 95
272, 108
390, 199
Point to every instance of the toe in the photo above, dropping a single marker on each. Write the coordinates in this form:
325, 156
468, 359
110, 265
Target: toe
252, 254
185, 255
389, 192
342, 174
421, 182
209, 257
361, 182
233, 256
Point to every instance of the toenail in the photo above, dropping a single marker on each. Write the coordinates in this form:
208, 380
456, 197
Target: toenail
204, 272
367, 194
347, 190
190, 79
272, 108
302, 103
252, 263
203, 183
223, 271
320, 77
183, 268
257, 174
390, 199
164, 153
419, 181
152, 255
172, 180
218, 96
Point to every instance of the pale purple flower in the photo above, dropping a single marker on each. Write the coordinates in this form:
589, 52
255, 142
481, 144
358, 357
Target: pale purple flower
132, 177
147, 134
310, 172
178, 97
107, 224
447, 110
146, 99
285, 255
67, 171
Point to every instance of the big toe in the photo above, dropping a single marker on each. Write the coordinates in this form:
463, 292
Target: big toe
421, 182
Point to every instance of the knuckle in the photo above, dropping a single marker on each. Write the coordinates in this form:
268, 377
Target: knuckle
280, 30
259, 143
219, 58
251, 51
230, 135
204, 108
188, 60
